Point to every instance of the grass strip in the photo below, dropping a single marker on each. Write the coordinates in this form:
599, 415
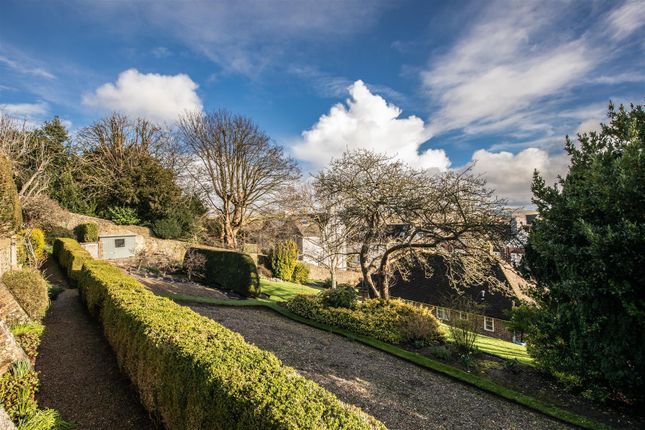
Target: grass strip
415, 358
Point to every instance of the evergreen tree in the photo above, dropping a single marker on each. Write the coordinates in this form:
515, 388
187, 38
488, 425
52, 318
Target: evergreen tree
587, 254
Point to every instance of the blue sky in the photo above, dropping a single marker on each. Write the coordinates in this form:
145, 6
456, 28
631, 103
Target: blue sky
437, 84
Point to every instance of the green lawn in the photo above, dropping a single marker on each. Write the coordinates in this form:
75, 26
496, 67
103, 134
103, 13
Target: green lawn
498, 347
280, 291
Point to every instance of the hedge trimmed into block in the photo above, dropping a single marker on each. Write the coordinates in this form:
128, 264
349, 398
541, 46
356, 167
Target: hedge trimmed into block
196, 374
228, 270
87, 232
71, 257
30, 290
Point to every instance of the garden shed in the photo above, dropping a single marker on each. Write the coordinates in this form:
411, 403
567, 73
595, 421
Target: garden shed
117, 246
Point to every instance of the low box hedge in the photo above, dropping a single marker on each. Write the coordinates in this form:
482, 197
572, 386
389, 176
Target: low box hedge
194, 373
71, 256
87, 232
228, 270
30, 290
392, 321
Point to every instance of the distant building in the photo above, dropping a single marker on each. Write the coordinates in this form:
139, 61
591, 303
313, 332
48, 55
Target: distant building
521, 221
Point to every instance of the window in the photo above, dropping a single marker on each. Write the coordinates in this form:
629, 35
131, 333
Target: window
489, 324
463, 315
119, 243
443, 314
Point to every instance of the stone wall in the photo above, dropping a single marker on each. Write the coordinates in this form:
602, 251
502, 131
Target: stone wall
10, 310
318, 273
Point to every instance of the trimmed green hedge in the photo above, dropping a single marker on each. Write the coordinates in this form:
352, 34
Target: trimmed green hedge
30, 290
196, 374
71, 257
228, 270
393, 321
87, 232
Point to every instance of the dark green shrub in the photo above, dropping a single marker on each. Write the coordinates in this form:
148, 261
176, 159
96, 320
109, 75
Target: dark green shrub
30, 290
228, 270
340, 297
283, 259
10, 212
392, 321
300, 273
122, 215
167, 228
196, 374
87, 232
71, 257
28, 336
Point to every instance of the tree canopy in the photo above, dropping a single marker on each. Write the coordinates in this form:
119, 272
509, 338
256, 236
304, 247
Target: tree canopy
586, 252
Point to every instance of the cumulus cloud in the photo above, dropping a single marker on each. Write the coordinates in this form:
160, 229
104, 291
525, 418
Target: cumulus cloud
150, 95
511, 174
366, 120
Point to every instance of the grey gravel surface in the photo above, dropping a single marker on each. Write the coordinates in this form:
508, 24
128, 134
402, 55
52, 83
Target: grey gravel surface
400, 394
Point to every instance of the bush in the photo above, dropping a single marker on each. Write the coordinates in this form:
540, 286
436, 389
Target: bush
340, 297
87, 232
10, 212
167, 228
300, 273
122, 215
228, 270
71, 257
31, 247
283, 259
196, 374
28, 336
18, 391
391, 321
30, 290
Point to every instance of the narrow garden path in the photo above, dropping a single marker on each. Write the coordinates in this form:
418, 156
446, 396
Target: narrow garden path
400, 394
79, 375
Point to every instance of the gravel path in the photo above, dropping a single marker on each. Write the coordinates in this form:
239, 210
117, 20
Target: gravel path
398, 393
79, 375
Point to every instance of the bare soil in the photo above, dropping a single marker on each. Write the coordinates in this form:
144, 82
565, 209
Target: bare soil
79, 375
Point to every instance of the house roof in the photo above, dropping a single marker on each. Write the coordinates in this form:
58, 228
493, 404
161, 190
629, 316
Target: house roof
124, 234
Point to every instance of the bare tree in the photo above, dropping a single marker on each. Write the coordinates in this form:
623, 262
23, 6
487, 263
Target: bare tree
236, 167
29, 156
397, 214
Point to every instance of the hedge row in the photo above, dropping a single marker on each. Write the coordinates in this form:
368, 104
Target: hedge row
393, 321
87, 232
196, 374
30, 290
228, 270
71, 256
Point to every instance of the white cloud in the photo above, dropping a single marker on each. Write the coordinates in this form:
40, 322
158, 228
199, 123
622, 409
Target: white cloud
368, 121
25, 110
502, 67
511, 174
151, 95
589, 126
24, 68
626, 19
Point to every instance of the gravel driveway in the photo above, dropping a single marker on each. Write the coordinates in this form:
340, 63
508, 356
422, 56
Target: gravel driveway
398, 393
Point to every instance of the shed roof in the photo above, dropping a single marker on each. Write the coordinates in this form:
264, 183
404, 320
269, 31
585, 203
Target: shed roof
125, 234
